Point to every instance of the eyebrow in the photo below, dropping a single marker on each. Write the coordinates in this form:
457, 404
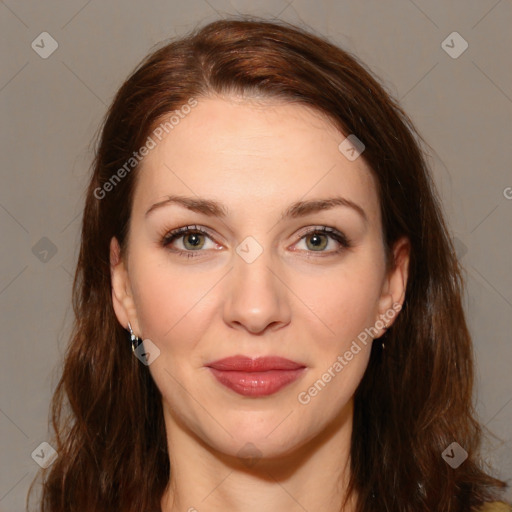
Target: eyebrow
295, 210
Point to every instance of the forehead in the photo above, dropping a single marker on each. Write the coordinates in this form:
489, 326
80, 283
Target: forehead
246, 153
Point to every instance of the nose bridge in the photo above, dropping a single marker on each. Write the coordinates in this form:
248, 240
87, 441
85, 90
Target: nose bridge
257, 297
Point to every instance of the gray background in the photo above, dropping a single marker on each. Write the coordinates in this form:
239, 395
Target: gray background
52, 107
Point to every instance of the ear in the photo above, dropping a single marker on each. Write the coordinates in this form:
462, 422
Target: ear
394, 286
122, 297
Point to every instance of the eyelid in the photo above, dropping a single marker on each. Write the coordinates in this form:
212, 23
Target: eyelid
328, 231
174, 234
338, 236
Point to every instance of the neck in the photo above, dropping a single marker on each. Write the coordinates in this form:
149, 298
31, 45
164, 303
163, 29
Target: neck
313, 476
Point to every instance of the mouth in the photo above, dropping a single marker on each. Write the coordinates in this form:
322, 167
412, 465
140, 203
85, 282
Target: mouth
257, 377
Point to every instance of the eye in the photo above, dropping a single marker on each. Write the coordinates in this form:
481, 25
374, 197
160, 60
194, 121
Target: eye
192, 240
319, 240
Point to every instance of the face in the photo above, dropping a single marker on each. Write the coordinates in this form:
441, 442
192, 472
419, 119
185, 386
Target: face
256, 276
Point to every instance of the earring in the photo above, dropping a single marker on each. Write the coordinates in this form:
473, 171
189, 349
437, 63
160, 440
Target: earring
135, 340
383, 344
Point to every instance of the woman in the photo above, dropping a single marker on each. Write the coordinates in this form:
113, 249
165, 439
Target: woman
270, 377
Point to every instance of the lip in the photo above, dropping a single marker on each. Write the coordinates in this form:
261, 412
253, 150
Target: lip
256, 377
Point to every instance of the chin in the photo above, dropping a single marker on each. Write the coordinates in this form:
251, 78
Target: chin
268, 440
248, 450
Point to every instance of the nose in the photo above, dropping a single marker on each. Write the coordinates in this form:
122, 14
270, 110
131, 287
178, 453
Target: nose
257, 295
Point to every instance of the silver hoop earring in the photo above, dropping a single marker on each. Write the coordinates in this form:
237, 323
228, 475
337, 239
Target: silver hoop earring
135, 340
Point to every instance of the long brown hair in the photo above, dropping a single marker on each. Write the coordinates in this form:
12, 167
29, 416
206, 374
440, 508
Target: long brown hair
416, 396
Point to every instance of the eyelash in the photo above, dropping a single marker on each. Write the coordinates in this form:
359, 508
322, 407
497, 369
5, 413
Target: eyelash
336, 235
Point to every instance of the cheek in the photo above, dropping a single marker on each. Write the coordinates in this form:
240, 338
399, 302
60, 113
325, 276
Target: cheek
344, 307
343, 303
171, 304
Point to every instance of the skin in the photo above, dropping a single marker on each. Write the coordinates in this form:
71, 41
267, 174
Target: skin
256, 158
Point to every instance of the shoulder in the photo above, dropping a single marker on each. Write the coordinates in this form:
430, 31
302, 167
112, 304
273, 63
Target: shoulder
496, 506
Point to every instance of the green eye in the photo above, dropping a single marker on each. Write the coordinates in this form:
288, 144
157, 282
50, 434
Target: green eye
193, 240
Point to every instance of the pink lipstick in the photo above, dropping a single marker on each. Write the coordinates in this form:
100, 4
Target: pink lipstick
257, 377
